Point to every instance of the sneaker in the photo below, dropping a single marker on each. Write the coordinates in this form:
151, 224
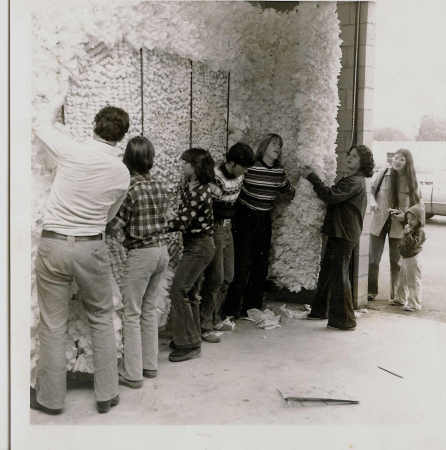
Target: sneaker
184, 354
104, 407
34, 404
224, 326
149, 373
130, 383
396, 303
210, 336
409, 308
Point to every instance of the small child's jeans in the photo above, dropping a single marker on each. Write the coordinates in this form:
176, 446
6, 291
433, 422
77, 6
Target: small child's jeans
409, 289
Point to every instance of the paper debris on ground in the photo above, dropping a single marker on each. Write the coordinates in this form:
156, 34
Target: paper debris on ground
287, 313
263, 319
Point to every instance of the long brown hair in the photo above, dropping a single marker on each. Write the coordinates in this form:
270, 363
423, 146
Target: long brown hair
202, 162
411, 176
263, 146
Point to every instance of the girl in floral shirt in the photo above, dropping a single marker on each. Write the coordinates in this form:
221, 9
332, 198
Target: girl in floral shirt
195, 220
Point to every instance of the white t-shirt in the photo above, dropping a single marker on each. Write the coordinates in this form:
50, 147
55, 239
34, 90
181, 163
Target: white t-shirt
89, 186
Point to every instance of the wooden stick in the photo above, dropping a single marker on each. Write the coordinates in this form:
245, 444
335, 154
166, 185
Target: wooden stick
318, 399
389, 371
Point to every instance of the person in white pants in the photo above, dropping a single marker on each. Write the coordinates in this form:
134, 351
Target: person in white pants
409, 287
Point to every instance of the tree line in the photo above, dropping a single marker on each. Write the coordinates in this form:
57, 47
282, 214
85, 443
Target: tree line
431, 128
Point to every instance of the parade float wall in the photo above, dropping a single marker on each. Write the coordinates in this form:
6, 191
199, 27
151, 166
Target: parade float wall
283, 71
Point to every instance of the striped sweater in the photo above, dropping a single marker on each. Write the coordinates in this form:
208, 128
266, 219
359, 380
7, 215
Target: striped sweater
225, 192
262, 185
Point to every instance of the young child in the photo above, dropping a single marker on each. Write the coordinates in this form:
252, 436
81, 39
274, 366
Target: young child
196, 221
141, 224
409, 288
219, 274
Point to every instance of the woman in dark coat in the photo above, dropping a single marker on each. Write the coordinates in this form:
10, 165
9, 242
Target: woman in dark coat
346, 206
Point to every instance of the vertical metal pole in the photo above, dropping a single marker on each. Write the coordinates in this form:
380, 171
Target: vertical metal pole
142, 90
354, 262
227, 111
190, 105
354, 135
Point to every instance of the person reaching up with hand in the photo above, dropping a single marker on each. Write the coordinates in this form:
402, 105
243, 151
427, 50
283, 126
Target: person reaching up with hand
346, 205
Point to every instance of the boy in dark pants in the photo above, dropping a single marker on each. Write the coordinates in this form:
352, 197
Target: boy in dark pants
219, 274
262, 185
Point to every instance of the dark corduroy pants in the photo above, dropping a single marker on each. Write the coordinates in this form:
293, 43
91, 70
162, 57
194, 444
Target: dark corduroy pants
334, 292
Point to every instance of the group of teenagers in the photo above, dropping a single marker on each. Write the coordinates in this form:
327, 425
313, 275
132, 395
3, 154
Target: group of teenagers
224, 216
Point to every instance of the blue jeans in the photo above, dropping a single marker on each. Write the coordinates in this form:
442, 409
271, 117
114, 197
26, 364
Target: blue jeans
58, 264
217, 277
143, 272
198, 252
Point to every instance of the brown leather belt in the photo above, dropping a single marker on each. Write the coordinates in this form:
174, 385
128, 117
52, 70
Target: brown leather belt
64, 237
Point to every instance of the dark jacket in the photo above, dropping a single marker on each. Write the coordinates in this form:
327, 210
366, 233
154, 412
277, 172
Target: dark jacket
346, 206
413, 240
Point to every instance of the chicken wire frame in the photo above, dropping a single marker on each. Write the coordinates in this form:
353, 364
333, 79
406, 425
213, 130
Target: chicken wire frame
65, 115
72, 112
191, 98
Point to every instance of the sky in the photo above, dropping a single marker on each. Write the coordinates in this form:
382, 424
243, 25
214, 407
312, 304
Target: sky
410, 72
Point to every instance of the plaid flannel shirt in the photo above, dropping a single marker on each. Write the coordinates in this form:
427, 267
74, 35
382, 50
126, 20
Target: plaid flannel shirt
141, 220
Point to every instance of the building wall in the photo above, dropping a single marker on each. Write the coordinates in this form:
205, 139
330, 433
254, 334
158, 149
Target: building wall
347, 14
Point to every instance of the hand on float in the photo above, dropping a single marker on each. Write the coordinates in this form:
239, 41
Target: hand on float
49, 111
305, 171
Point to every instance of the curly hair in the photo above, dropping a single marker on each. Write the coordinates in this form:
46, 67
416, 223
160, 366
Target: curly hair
367, 164
139, 155
202, 162
111, 123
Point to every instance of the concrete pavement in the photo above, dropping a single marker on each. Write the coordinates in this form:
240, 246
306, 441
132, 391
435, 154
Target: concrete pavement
236, 381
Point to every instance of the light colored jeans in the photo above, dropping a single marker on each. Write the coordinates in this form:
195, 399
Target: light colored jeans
409, 288
376, 247
143, 272
58, 264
